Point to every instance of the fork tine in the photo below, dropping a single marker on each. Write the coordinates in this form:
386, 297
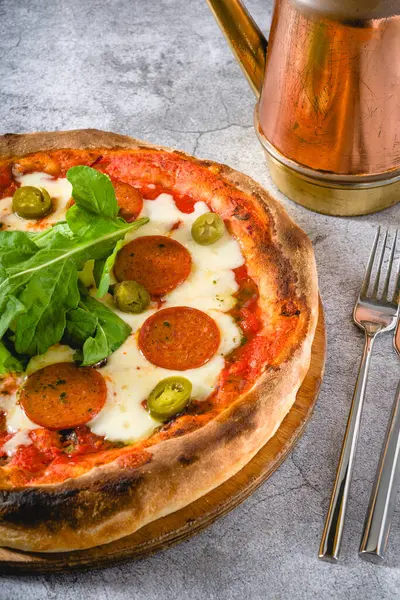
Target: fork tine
378, 273
390, 267
365, 284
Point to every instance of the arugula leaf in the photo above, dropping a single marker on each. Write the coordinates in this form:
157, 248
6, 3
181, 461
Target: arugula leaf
93, 191
10, 288
47, 284
15, 246
12, 309
9, 363
81, 325
44, 238
104, 281
47, 297
77, 250
39, 276
95, 348
83, 224
98, 270
110, 334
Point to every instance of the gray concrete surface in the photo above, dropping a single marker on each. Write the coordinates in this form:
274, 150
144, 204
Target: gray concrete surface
161, 71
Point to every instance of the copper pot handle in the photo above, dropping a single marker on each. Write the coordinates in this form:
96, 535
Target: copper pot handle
247, 42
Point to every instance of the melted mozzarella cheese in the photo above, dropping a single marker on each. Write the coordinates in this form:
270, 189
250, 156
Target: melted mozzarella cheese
16, 418
16, 422
163, 214
60, 191
21, 438
56, 354
130, 377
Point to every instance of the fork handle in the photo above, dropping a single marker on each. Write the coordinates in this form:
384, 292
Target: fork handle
383, 496
332, 536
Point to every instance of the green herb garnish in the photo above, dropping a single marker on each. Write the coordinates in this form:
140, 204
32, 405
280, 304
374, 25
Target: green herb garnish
40, 299
107, 335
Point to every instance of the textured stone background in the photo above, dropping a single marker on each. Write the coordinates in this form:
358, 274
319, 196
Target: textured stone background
161, 71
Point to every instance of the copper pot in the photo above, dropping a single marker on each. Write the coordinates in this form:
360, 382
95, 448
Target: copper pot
328, 114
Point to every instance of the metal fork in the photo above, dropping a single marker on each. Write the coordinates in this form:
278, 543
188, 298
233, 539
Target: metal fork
375, 314
383, 496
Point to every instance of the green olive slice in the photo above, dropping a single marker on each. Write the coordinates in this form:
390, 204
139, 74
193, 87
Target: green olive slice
170, 397
31, 202
208, 229
131, 297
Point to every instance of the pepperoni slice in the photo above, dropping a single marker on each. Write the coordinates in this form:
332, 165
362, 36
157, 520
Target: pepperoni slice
179, 338
129, 200
63, 396
157, 262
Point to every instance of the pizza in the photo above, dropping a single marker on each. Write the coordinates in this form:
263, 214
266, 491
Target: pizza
156, 320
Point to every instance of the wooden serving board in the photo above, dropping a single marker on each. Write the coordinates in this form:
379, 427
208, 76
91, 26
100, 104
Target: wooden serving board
196, 516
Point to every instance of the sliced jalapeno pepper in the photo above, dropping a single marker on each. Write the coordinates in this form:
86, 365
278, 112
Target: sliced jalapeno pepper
170, 397
31, 202
131, 297
208, 229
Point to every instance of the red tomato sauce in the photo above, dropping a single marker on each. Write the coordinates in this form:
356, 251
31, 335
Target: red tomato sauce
246, 312
184, 203
53, 456
49, 448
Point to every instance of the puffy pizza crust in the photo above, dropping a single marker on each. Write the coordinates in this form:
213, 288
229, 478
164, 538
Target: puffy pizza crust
110, 502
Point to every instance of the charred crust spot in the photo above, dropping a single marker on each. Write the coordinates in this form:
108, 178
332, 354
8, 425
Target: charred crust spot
285, 278
285, 313
272, 369
294, 237
177, 153
290, 309
237, 427
122, 486
179, 432
240, 421
240, 214
31, 507
187, 460
72, 508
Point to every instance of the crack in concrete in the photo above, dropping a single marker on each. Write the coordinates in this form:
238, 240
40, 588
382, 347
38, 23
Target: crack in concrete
7, 52
308, 482
280, 493
162, 95
201, 133
225, 108
196, 144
